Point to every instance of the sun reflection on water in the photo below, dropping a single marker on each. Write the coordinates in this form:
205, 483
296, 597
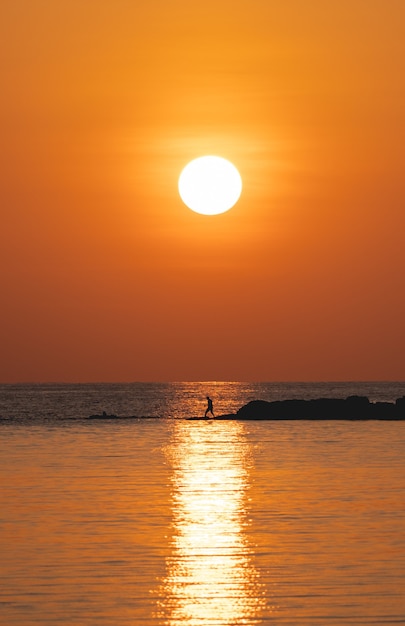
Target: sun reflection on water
210, 575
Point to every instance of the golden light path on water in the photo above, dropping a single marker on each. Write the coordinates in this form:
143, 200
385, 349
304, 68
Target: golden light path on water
210, 575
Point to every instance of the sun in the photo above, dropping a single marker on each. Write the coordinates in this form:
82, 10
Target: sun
210, 185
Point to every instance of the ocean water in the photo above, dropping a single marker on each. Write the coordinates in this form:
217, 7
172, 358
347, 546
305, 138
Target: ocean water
171, 522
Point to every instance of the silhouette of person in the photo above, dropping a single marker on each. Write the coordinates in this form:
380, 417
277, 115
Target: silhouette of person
210, 407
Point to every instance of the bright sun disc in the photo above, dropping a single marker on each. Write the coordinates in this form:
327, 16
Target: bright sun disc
210, 185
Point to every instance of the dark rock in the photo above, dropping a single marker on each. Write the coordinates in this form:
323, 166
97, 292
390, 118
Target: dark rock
400, 405
351, 408
383, 410
226, 416
255, 409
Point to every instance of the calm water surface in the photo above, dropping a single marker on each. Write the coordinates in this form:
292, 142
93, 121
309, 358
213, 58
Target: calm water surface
178, 523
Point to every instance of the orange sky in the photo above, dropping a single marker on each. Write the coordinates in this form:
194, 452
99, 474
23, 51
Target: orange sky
107, 276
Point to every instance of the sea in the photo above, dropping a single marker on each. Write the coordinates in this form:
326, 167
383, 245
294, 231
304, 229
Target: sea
159, 520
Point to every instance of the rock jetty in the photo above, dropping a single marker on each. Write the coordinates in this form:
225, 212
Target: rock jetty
111, 416
351, 408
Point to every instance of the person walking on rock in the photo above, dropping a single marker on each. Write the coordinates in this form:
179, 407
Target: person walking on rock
210, 407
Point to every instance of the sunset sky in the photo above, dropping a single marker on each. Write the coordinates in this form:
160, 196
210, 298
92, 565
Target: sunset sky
107, 276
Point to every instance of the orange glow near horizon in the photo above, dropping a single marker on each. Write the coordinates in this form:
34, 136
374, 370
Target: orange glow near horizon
107, 276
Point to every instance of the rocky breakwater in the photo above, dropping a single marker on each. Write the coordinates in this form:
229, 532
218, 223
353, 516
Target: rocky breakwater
351, 408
